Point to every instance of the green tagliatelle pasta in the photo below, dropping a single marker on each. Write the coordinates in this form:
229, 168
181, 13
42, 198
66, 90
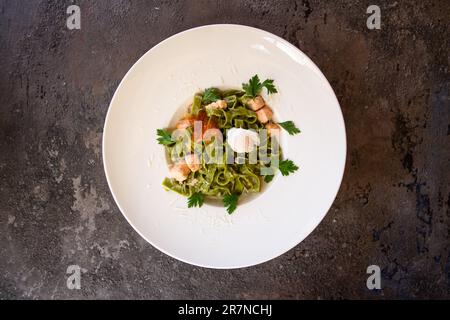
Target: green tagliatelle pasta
237, 117
220, 172
217, 180
213, 179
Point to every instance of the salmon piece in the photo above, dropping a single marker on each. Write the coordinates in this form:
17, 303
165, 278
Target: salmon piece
209, 133
265, 114
219, 104
193, 162
207, 123
185, 123
256, 103
179, 171
272, 127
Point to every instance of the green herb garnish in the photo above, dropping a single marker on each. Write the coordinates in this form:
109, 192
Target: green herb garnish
290, 127
254, 86
211, 95
230, 202
268, 178
286, 167
196, 200
165, 138
268, 84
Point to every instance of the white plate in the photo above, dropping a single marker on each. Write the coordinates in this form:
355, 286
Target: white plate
162, 82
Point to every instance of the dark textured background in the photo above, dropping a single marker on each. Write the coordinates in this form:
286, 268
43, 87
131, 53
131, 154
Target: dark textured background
393, 208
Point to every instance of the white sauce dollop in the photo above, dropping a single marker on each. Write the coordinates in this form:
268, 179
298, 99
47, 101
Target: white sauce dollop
242, 140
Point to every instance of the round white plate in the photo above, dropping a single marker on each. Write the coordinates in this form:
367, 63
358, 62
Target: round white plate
161, 83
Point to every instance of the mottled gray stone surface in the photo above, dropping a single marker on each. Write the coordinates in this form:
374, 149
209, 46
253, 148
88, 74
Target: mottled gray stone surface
393, 208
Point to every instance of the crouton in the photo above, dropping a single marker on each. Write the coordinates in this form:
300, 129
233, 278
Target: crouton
256, 103
193, 162
179, 171
264, 114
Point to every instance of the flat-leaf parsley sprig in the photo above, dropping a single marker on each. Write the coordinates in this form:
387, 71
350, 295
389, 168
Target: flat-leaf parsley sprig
290, 127
196, 200
211, 95
164, 138
230, 202
254, 86
268, 178
287, 167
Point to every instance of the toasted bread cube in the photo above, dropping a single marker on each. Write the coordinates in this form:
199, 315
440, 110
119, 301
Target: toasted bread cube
219, 104
271, 127
193, 162
264, 114
180, 171
256, 103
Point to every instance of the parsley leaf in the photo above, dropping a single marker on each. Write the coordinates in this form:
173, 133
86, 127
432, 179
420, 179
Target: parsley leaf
268, 84
254, 86
268, 178
230, 202
165, 138
287, 166
290, 127
196, 200
211, 95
